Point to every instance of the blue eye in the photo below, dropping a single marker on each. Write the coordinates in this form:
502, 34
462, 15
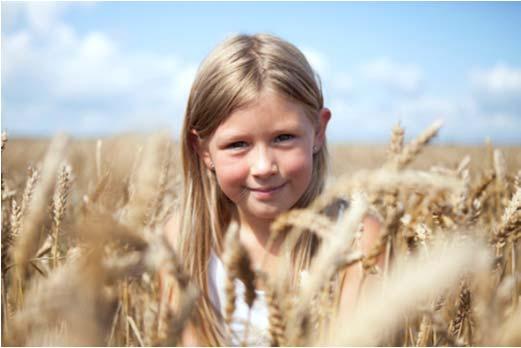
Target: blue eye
284, 137
237, 145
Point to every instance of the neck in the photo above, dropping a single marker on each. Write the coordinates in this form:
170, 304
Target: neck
255, 235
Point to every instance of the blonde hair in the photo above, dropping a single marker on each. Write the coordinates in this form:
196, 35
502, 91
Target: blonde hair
231, 77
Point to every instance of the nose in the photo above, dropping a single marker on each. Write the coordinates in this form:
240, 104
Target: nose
264, 163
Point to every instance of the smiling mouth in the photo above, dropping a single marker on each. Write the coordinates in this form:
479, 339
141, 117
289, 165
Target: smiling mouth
268, 189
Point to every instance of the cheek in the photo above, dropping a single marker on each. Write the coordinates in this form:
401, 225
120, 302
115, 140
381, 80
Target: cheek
299, 165
231, 176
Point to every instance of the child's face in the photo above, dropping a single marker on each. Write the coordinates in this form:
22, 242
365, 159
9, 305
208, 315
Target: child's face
263, 155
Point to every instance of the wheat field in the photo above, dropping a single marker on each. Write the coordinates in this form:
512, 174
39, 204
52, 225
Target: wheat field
82, 246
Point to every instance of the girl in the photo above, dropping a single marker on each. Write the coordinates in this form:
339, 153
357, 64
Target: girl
253, 146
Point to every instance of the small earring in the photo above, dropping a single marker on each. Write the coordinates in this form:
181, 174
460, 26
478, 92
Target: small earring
315, 149
212, 166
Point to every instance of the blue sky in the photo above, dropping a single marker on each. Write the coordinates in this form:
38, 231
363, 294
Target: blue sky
99, 68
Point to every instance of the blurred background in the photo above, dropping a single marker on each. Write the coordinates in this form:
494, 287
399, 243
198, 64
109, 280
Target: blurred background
95, 69
110, 73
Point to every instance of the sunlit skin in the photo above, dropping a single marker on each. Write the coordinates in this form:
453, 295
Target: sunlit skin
262, 156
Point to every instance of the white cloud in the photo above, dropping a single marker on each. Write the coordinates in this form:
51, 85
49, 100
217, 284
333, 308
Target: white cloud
404, 78
465, 119
489, 106
500, 79
97, 47
497, 89
54, 77
42, 16
332, 78
11, 14
426, 107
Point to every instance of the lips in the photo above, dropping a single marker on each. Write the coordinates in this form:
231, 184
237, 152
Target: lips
267, 189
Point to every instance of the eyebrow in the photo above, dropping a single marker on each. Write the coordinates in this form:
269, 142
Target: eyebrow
234, 134
230, 135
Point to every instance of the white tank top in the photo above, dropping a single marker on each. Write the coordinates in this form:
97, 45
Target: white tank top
258, 330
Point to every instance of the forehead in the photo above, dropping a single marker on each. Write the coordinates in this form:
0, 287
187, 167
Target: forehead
269, 112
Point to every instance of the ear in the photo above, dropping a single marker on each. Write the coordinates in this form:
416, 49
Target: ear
320, 135
200, 146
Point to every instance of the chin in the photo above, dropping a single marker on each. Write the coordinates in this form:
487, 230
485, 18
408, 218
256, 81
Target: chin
268, 212
268, 215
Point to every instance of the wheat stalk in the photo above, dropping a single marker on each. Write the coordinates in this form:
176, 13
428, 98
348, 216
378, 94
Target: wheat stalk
424, 333
99, 145
153, 214
59, 204
4, 140
108, 264
238, 266
510, 221
30, 185
320, 272
411, 150
144, 183
305, 220
396, 145
276, 319
443, 268
26, 245
463, 312
499, 166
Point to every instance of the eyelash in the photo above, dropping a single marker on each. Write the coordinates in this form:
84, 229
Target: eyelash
279, 138
236, 144
287, 136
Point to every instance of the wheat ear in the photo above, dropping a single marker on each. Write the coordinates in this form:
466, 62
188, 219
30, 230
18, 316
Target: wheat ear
305, 219
412, 149
238, 266
10, 233
32, 180
482, 185
4, 140
276, 321
156, 206
424, 333
517, 179
29, 240
426, 277
511, 220
396, 145
463, 314
143, 185
321, 270
59, 204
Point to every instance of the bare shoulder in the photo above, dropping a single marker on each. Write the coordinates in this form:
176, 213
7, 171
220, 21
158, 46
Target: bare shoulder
371, 233
172, 230
352, 278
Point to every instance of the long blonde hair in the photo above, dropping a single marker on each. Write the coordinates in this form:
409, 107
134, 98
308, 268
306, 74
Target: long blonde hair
231, 77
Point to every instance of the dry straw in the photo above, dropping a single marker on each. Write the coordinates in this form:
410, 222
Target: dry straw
409, 284
59, 203
144, 182
238, 267
411, 150
30, 237
95, 254
331, 251
396, 144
